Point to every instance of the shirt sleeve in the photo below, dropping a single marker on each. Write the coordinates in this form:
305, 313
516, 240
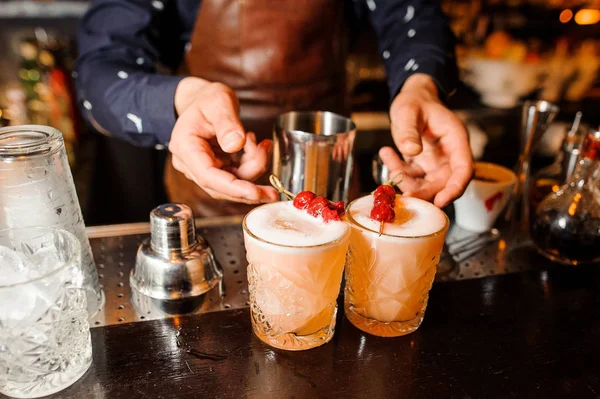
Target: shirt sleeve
119, 89
414, 37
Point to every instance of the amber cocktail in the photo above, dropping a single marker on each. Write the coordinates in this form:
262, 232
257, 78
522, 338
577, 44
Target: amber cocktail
295, 265
388, 277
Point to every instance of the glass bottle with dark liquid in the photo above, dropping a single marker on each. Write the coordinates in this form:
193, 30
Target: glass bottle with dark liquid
551, 178
566, 227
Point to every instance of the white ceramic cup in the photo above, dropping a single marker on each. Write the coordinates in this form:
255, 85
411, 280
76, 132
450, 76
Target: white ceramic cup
485, 197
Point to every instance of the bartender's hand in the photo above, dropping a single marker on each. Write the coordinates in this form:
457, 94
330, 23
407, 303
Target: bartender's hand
207, 130
433, 141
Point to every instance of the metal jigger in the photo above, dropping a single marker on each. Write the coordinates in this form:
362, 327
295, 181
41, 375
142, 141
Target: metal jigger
537, 116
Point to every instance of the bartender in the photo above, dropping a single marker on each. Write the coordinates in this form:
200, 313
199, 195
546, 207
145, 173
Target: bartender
207, 78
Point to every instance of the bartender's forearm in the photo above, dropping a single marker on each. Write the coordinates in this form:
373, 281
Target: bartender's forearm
119, 89
415, 38
128, 103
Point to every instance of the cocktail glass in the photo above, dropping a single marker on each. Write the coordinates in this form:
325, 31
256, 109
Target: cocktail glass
388, 278
293, 289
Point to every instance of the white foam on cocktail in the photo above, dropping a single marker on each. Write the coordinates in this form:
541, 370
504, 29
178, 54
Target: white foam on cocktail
282, 224
414, 217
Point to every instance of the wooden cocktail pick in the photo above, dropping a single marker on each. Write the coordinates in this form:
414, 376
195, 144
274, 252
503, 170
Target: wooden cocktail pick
278, 185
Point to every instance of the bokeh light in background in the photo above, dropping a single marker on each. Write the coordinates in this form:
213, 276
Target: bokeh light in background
565, 16
587, 17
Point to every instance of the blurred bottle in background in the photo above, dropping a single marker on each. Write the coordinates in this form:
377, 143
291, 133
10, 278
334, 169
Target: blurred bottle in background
566, 227
44, 95
552, 177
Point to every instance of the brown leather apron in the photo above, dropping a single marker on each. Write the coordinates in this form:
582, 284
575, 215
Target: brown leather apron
277, 55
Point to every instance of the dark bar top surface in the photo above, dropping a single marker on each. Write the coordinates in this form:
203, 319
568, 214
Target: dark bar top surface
531, 334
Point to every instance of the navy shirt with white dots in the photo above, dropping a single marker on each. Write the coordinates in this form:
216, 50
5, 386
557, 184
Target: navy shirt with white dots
128, 49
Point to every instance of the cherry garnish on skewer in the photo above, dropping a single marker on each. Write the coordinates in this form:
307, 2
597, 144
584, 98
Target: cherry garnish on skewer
313, 205
385, 190
303, 199
339, 207
330, 214
383, 206
383, 213
384, 198
317, 205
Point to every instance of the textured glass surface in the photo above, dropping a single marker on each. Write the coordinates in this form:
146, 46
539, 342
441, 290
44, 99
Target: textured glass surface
293, 292
44, 333
388, 281
37, 189
367, 296
289, 315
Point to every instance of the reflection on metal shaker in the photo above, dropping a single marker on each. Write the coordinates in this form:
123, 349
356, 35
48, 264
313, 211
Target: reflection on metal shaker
314, 151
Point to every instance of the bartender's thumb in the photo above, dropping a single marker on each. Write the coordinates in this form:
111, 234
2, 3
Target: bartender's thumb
222, 113
230, 134
407, 126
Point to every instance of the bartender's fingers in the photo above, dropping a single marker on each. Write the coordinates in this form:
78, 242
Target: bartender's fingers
427, 189
409, 175
460, 177
454, 188
268, 194
221, 111
407, 126
225, 184
203, 168
255, 160
180, 167
392, 160
408, 184
460, 159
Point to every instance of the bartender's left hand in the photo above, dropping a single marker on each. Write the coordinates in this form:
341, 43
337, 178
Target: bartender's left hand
434, 143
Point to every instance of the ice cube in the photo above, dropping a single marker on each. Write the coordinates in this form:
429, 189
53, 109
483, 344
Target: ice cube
11, 264
10, 277
43, 261
17, 302
23, 304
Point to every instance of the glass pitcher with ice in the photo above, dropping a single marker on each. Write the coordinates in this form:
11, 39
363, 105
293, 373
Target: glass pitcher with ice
37, 190
45, 343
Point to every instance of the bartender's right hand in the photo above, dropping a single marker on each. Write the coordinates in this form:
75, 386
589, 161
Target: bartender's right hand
207, 130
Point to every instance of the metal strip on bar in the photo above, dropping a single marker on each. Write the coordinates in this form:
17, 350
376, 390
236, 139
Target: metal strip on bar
144, 228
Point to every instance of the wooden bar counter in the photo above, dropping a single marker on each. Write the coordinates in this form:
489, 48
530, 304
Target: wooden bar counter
533, 334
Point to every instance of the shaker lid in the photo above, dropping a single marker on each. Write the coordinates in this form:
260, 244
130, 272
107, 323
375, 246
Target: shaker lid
172, 228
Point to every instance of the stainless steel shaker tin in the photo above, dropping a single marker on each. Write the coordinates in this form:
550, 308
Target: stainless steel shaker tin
314, 151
